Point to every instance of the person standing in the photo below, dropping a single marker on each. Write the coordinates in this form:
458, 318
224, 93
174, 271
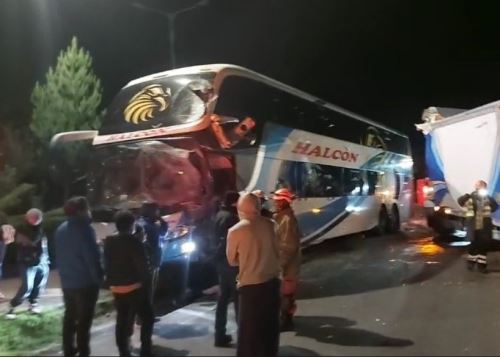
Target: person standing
79, 262
289, 237
225, 219
154, 229
33, 261
128, 275
263, 200
479, 206
7, 234
252, 246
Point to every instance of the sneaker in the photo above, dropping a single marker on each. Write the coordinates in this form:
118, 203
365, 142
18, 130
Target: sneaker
223, 341
35, 309
2, 296
11, 314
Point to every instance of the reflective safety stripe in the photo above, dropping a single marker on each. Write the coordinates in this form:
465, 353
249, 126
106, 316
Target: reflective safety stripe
481, 259
472, 258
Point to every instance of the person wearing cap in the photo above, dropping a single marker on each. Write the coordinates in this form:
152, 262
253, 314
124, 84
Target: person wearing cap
252, 246
479, 206
263, 200
79, 263
33, 261
289, 241
225, 218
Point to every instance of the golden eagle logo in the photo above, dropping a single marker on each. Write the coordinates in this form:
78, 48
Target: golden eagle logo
149, 101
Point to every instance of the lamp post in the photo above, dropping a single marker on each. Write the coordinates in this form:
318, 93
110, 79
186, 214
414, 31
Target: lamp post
171, 16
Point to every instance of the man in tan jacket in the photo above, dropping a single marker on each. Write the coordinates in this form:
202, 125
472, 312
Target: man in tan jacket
289, 237
252, 245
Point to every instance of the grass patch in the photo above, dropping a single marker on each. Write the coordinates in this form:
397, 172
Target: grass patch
28, 332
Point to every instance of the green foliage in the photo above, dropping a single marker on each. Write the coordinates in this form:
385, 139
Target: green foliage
70, 98
51, 220
8, 180
18, 200
21, 150
31, 332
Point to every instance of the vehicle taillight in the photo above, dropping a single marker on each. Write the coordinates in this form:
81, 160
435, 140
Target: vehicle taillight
425, 191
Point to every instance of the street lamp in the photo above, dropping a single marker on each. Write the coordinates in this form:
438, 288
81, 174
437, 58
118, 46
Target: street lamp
171, 21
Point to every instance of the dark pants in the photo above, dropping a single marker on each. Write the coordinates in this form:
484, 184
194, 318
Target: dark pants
259, 317
228, 292
129, 305
78, 315
478, 248
3, 248
33, 279
288, 305
154, 282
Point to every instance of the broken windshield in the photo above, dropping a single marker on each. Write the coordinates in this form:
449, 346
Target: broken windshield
125, 176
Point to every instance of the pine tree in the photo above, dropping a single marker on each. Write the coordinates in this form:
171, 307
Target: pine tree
70, 98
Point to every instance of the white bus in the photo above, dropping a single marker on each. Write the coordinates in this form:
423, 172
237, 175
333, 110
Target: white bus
184, 137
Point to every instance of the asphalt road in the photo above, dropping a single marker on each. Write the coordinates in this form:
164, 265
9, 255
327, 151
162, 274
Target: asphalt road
392, 295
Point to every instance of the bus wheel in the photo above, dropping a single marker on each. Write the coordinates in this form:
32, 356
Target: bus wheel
395, 223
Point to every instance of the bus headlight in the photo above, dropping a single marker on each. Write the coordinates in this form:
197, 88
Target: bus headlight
188, 247
447, 211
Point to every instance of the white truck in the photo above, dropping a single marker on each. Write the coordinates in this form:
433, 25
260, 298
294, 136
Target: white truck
461, 147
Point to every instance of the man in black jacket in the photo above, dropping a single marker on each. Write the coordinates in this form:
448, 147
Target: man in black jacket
155, 229
128, 273
479, 207
33, 260
7, 234
225, 219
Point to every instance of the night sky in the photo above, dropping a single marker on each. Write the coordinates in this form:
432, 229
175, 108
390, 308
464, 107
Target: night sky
384, 59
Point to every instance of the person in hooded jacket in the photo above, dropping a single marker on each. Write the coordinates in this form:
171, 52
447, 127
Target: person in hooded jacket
253, 247
78, 259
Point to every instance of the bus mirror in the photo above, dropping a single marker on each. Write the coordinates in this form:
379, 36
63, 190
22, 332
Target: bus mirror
72, 136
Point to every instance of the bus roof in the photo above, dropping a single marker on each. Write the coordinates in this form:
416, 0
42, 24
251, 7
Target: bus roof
228, 69
460, 116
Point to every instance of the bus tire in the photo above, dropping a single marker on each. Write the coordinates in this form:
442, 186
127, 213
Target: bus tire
395, 222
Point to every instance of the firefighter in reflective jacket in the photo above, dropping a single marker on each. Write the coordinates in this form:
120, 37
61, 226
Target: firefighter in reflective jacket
289, 236
479, 206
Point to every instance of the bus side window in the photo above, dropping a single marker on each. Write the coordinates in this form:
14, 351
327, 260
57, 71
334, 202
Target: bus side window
287, 176
322, 180
353, 182
372, 178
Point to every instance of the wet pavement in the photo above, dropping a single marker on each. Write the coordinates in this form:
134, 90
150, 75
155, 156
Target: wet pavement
394, 295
